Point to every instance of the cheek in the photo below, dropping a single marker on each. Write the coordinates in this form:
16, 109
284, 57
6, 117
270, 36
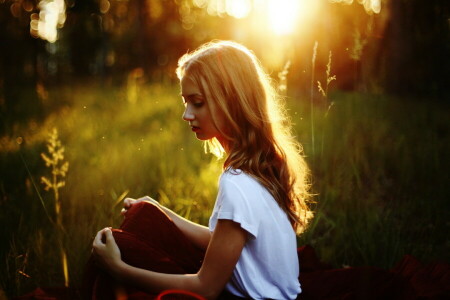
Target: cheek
220, 123
218, 119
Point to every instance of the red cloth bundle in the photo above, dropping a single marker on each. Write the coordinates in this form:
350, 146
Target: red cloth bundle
409, 280
149, 239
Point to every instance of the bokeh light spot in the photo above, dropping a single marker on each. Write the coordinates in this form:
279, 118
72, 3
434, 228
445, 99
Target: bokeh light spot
52, 16
104, 6
238, 8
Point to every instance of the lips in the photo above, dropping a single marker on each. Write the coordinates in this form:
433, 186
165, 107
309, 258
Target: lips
195, 128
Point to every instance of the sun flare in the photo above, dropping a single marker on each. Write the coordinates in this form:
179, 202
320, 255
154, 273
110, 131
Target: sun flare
279, 17
283, 15
238, 8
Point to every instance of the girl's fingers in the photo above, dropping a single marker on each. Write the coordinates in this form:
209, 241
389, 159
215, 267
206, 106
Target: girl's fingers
145, 198
98, 239
126, 205
102, 236
127, 202
108, 235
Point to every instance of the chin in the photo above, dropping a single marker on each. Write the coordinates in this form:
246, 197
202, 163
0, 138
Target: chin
203, 137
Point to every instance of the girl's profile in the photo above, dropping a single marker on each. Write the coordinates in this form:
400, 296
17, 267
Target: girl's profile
249, 248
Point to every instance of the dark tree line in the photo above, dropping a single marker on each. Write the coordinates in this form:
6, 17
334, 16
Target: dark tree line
93, 44
409, 55
415, 52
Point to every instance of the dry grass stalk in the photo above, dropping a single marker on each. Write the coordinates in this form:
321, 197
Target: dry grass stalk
313, 66
330, 78
55, 161
282, 76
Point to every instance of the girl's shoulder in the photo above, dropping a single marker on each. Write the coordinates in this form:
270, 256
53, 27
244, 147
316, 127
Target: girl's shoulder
238, 177
233, 174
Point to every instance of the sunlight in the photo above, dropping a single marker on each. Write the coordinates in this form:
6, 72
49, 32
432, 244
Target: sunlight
238, 8
371, 6
279, 17
283, 14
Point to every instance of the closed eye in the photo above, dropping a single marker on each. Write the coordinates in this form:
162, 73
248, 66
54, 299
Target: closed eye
195, 99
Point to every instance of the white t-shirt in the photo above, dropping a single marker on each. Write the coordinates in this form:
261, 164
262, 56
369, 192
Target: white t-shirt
268, 266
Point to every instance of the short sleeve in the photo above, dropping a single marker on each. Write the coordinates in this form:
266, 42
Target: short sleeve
234, 202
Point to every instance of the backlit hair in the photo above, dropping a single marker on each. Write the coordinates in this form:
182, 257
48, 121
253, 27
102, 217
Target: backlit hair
257, 131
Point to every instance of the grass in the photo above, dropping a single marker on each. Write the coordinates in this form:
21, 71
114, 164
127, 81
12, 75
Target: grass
379, 172
381, 181
113, 146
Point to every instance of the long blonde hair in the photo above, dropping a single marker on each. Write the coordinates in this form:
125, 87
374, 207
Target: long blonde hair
258, 133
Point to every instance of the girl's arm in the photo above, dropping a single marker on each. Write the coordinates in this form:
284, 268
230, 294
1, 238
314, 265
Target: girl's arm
198, 234
222, 254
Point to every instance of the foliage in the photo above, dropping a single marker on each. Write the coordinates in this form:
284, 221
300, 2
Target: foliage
378, 162
113, 146
379, 176
401, 49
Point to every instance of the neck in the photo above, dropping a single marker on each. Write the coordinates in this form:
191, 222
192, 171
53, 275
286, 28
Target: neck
225, 145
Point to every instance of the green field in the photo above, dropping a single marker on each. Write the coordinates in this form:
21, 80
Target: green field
379, 165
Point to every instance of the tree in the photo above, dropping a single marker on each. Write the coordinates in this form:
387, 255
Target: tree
415, 49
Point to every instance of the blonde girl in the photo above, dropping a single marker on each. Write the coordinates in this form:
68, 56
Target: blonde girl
249, 248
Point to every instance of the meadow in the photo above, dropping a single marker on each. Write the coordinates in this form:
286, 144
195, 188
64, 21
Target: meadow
379, 167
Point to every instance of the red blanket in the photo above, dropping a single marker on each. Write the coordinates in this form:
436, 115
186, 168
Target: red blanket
409, 279
149, 239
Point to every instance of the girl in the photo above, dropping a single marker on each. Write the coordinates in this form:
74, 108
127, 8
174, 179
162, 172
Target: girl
249, 248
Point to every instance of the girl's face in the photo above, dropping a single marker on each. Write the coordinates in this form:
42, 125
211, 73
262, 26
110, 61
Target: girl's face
198, 112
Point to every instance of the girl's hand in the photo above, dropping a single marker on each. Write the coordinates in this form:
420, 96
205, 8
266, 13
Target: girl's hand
128, 202
106, 251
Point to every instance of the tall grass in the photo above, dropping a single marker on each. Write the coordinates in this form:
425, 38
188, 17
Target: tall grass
381, 177
311, 98
381, 180
115, 147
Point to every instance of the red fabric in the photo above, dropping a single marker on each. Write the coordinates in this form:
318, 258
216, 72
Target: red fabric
58, 293
409, 279
149, 239
178, 294
430, 281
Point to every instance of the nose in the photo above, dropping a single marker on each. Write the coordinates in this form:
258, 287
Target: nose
188, 114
